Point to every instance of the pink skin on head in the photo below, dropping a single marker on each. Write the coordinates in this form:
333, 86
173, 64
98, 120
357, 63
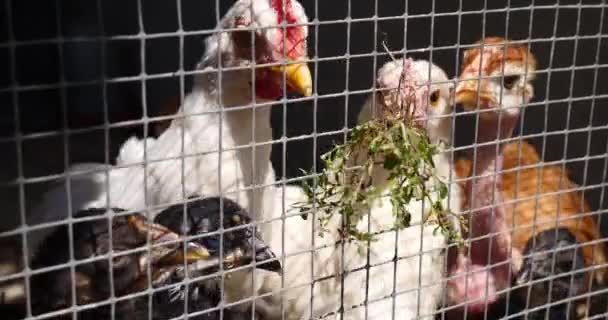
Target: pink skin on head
411, 88
267, 85
412, 94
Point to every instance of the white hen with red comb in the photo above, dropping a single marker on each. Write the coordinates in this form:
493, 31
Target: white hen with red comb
409, 262
196, 154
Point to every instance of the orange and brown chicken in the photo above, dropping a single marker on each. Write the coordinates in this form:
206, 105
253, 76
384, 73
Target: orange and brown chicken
495, 81
546, 219
542, 199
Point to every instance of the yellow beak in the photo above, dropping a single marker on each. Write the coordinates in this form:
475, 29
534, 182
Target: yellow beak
297, 76
194, 252
172, 254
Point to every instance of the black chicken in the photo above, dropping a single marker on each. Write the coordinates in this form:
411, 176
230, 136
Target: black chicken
552, 264
563, 278
172, 261
94, 275
240, 246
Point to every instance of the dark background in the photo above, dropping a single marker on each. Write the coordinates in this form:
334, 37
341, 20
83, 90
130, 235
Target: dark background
564, 34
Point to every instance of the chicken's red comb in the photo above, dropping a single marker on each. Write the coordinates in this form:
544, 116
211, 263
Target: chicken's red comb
277, 5
294, 36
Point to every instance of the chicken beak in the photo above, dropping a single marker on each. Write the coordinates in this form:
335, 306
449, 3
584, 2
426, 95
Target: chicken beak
297, 76
255, 250
264, 257
192, 253
467, 93
171, 253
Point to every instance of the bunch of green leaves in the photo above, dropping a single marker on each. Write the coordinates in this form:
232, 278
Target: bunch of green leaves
395, 144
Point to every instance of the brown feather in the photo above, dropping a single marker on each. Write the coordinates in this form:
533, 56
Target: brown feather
540, 197
509, 52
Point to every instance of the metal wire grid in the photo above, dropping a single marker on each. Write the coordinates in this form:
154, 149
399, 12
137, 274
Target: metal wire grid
15, 88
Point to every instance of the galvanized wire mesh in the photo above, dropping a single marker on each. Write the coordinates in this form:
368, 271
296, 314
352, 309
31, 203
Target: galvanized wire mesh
78, 79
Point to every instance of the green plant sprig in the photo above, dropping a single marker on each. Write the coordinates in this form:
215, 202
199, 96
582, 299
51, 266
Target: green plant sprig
392, 143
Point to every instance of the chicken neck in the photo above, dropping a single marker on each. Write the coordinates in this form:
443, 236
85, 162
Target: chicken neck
242, 129
487, 267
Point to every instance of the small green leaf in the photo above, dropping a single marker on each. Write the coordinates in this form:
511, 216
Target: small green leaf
407, 157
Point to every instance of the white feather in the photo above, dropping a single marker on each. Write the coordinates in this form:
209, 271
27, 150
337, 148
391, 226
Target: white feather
416, 276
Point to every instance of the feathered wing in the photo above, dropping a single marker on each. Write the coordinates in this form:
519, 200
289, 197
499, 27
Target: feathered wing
542, 193
87, 180
413, 276
320, 262
195, 156
54, 203
88, 185
420, 258
184, 160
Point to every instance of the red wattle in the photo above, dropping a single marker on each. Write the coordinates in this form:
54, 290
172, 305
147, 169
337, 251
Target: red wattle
266, 87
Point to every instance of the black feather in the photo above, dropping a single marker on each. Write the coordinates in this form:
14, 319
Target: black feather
53, 290
203, 216
551, 273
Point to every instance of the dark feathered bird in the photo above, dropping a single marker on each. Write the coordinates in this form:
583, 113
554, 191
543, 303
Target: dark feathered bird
561, 278
98, 278
553, 273
204, 216
238, 240
94, 276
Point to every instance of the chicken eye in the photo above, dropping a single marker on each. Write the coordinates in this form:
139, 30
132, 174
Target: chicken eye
434, 98
510, 81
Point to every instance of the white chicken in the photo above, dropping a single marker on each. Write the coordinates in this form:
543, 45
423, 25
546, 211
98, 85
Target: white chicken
214, 148
405, 268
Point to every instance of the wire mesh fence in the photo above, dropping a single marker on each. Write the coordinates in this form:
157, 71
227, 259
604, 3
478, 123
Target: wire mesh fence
182, 128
